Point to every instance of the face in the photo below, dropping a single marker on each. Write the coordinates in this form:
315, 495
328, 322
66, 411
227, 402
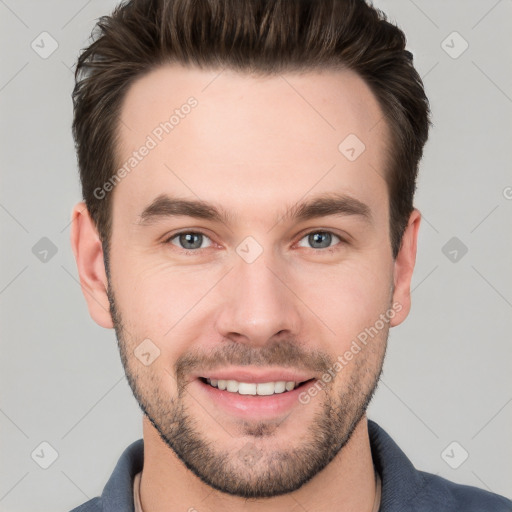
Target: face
278, 282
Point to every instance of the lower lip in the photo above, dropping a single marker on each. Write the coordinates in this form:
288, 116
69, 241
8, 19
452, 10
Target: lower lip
255, 407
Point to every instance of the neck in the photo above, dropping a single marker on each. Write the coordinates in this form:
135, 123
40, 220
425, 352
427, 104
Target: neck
347, 483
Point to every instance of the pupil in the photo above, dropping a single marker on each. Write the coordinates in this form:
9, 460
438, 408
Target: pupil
317, 238
188, 238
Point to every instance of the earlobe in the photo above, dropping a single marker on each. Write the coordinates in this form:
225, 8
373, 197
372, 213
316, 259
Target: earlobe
88, 252
403, 268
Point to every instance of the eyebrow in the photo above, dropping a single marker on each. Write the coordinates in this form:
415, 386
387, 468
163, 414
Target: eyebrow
164, 206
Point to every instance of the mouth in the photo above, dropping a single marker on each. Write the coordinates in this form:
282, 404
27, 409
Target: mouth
265, 400
255, 388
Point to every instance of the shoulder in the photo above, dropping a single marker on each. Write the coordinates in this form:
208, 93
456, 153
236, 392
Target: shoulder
117, 494
404, 488
93, 505
440, 494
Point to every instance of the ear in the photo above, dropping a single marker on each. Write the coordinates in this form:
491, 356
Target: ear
403, 268
86, 245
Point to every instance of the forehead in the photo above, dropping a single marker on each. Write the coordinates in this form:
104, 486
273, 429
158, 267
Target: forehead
244, 140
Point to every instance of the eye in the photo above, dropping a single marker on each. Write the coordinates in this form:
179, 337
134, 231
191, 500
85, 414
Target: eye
189, 240
194, 241
320, 239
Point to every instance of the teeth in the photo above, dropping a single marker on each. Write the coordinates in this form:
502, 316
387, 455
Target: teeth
280, 387
266, 388
289, 386
232, 386
248, 388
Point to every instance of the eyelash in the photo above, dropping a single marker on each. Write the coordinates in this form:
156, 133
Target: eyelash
192, 251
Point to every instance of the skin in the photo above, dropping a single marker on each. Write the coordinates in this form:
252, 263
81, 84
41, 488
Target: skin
255, 147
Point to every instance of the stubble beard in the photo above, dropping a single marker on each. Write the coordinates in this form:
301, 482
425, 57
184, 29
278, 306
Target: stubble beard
249, 471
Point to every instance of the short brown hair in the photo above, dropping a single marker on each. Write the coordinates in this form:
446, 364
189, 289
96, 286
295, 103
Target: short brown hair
256, 36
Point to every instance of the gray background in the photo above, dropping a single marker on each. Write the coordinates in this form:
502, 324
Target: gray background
448, 372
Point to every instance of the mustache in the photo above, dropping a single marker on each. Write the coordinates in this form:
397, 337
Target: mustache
286, 354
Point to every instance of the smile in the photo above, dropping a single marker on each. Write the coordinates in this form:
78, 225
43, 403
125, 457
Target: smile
251, 388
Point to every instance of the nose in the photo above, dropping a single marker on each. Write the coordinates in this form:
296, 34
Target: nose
257, 303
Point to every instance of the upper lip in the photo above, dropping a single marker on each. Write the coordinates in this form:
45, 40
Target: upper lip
257, 375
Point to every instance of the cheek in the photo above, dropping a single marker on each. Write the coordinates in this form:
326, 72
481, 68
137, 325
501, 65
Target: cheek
161, 302
349, 298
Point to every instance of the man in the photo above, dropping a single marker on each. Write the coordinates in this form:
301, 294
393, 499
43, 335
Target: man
248, 170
